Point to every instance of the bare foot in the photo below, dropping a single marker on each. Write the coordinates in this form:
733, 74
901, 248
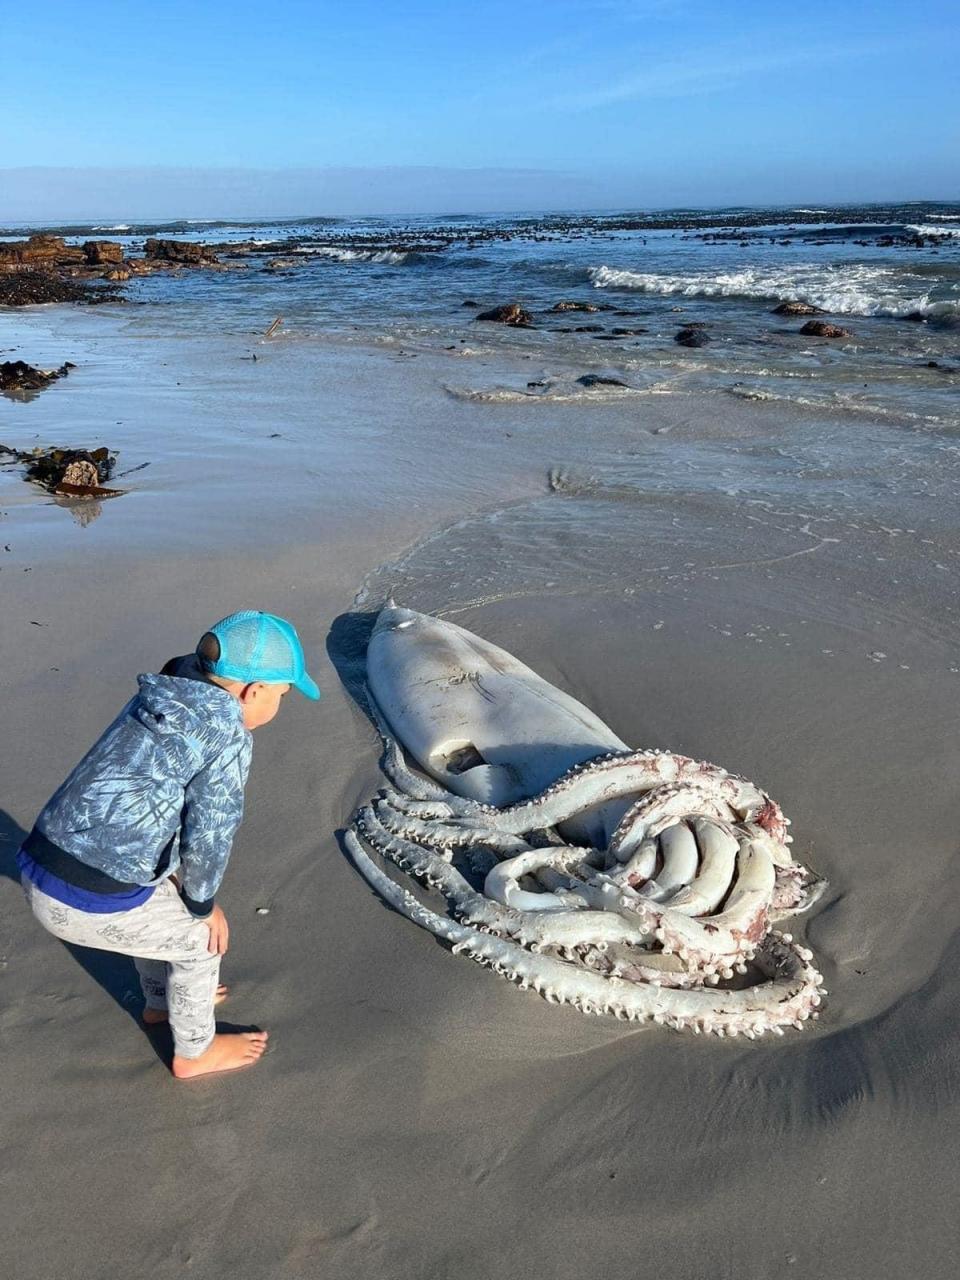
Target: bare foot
228, 1052
152, 1016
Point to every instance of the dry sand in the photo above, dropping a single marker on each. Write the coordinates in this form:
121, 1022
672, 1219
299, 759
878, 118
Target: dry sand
415, 1116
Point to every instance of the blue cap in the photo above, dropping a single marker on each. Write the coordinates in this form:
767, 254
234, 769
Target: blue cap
258, 646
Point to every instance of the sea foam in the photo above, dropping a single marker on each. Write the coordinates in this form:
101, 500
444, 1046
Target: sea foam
390, 256
848, 290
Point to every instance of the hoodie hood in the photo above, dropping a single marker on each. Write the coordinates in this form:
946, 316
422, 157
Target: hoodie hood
183, 704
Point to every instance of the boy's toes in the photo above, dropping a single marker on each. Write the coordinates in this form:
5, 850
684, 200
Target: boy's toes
228, 1051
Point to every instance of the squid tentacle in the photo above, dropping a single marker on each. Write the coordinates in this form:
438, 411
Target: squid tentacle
791, 994
695, 870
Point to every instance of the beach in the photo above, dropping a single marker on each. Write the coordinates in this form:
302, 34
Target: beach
764, 580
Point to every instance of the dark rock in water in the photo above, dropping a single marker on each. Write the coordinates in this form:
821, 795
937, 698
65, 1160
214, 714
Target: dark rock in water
589, 328
628, 333
597, 380
797, 309
100, 253
469, 302
692, 337
30, 286
24, 288
819, 329
179, 251
17, 375
575, 306
510, 313
916, 316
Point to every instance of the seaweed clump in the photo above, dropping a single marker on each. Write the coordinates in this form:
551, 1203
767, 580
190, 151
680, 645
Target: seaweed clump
71, 473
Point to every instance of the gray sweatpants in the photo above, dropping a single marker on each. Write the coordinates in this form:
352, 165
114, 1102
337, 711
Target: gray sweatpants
169, 947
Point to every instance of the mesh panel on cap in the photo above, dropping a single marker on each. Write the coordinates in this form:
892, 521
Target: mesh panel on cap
243, 642
275, 652
257, 646
255, 643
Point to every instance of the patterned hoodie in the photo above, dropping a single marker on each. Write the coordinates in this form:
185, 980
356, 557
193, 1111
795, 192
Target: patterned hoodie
162, 790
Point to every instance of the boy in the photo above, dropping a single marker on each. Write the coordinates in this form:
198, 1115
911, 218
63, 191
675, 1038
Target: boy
128, 854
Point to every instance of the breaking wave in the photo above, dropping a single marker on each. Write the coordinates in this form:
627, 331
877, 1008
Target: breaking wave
391, 256
934, 231
848, 290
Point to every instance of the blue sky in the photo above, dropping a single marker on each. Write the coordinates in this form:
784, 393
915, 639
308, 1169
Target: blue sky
587, 102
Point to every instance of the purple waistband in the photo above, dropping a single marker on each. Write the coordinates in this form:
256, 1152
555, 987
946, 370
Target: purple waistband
81, 899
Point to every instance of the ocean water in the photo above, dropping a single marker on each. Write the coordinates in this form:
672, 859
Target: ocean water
820, 474
408, 282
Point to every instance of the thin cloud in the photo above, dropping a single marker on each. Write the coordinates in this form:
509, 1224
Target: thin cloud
708, 73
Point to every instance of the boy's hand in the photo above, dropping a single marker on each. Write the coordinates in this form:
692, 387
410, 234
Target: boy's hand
216, 922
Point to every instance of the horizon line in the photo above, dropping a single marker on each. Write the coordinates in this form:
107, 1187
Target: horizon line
545, 211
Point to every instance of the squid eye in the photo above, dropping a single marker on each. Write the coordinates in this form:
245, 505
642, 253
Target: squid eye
459, 757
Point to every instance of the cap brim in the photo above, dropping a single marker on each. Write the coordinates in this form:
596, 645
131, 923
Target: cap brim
308, 687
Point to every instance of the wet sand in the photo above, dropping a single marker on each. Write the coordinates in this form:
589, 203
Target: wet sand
415, 1115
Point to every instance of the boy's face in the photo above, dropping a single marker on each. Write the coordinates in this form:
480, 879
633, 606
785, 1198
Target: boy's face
261, 702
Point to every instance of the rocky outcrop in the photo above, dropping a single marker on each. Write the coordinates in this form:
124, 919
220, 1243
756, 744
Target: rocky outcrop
510, 313
185, 251
798, 309
575, 306
101, 253
17, 375
47, 269
818, 329
692, 336
39, 251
